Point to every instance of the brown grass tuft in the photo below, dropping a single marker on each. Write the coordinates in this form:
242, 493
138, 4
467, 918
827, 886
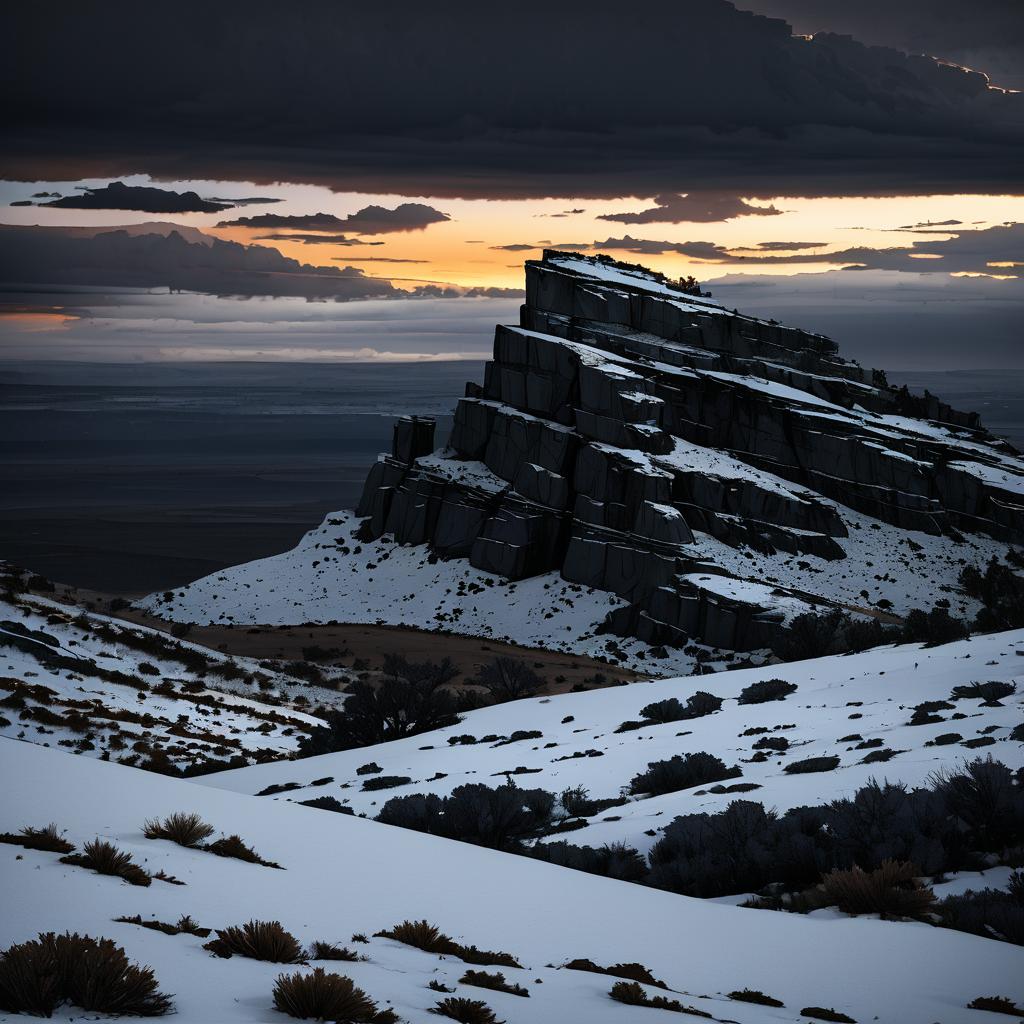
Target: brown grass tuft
892, 889
258, 940
322, 996
181, 828
47, 839
466, 1011
106, 859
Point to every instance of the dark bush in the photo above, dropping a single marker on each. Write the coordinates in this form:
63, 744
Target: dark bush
987, 692
985, 797
681, 772
496, 982
821, 1013
892, 890
106, 859
993, 913
508, 679
772, 743
411, 699
812, 764
332, 951
384, 782
327, 803
474, 813
430, 939
183, 926
235, 846
934, 627
632, 994
1001, 593
47, 839
752, 995
631, 972
181, 828
38, 976
613, 860
466, 1011
322, 996
766, 690
257, 940
996, 1004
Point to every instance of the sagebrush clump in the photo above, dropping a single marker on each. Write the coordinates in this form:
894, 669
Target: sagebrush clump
423, 935
38, 976
185, 829
257, 940
892, 890
681, 772
327, 997
496, 981
106, 859
47, 839
466, 1011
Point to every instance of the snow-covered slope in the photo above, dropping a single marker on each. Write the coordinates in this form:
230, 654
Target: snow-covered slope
870, 696
102, 687
343, 875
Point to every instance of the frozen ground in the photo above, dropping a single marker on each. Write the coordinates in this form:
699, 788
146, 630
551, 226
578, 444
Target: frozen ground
850, 706
343, 875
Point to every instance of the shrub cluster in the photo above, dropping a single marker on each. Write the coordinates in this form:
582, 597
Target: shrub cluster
892, 890
181, 828
631, 972
47, 839
412, 698
633, 994
765, 690
682, 771
498, 818
835, 632
466, 1011
508, 679
940, 828
993, 913
257, 940
322, 996
661, 712
38, 976
1001, 593
496, 982
423, 935
106, 859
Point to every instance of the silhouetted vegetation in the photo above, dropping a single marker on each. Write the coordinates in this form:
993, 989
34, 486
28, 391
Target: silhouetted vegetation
682, 771
38, 976
257, 940
106, 859
322, 996
508, 679
181, 828
47, 839
765, 690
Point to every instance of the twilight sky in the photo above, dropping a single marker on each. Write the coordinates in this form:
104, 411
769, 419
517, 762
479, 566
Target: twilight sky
364, 181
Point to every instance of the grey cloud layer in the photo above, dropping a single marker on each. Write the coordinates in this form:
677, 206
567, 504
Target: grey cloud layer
568, 99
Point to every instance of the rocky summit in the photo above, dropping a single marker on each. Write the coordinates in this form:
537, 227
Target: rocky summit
717, 472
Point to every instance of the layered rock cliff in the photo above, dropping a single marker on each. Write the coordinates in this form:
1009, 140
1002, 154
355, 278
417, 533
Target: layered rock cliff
625, 423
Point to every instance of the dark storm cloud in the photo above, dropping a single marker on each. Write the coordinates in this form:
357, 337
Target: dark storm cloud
370, 220
787, 246
696, 207
37, 258
578, 98
969, 251
377, 220
301, 221
987, 35
313, 239
119, 196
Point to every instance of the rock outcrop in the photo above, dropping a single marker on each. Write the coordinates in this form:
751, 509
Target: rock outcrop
624, 415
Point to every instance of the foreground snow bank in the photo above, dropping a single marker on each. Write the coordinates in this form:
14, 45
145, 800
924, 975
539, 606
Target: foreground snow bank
344, 875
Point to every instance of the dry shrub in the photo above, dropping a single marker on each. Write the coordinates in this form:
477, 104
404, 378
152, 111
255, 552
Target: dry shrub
106, 859
496, 982
466, 1011
829, 1014
892, 889
184, 925
423, 935
258, 940
633, 994
38, 976
181, 828
631, 972
323, 996
996, 1004
812, 764
752, 995
332, 951
234, 846
47, 839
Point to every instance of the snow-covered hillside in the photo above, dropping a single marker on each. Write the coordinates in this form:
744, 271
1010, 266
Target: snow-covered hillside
343, 875
856, 707
102, 687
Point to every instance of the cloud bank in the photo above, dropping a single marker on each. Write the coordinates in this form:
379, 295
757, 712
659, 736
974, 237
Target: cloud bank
580, 98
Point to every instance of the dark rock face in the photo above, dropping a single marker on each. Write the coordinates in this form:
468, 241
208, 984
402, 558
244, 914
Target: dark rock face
623, 414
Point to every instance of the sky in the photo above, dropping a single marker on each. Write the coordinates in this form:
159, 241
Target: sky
365, 181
